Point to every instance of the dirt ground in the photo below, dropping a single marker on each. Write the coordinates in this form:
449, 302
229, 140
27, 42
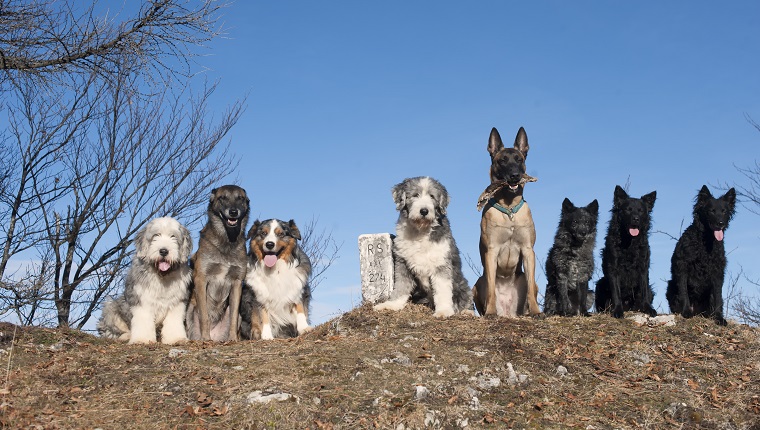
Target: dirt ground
398, 370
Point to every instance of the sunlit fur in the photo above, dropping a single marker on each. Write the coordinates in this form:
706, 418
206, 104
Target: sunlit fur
156, 288
276, 296
427, 265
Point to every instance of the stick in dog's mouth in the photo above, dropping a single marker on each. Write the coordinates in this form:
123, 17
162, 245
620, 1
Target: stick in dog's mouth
495, 187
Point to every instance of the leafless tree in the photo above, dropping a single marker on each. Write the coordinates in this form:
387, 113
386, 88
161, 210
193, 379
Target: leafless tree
104, 132
321, 248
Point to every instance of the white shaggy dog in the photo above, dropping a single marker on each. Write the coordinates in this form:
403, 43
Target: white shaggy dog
427, 265
156, 289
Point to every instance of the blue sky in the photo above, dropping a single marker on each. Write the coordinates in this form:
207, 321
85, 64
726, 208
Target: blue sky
346, 99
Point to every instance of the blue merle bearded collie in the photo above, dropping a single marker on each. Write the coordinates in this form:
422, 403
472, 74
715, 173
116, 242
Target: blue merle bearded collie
276, 296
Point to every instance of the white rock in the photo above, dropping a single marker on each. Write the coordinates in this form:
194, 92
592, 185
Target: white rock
176, 352
664, 320
421, 392
266, 397
639, 319
561, 370
376, 266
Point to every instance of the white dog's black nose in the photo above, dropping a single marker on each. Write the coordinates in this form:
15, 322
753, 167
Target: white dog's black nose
269, 245
164, 252
424, 212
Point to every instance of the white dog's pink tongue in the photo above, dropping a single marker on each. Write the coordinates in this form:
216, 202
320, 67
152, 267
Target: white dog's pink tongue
164, 266
270, 260
718, 235
633, 231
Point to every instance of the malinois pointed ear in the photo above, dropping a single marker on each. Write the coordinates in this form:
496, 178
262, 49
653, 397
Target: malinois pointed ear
494, 142
521, 142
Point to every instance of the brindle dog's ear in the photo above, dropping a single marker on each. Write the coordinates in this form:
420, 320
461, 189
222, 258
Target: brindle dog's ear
521, 142
294, 230
494, 142
399, 195
253, 229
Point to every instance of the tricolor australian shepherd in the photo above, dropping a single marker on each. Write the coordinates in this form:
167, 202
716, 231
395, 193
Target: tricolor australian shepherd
276, 297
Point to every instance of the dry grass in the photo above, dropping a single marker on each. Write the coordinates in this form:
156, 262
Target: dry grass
363, 369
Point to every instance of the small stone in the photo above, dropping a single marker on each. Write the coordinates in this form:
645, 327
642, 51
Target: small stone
663, 320
561, 370
266, 397
474, 403
176, 352
421, 392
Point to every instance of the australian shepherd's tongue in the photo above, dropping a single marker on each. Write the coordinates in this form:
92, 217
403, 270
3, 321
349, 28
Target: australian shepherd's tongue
270, 260
718, 235
633, 232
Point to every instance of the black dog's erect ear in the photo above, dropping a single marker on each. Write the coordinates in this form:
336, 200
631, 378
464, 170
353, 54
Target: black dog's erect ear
494, 142
294, 230
399, 196
620, 194
649, 199
521, 142
704, 193
567, 205
730, 197
253, 229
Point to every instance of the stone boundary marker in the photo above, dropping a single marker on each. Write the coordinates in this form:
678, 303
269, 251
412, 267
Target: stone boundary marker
376, 264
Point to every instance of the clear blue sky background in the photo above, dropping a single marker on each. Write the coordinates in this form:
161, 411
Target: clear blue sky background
348, 98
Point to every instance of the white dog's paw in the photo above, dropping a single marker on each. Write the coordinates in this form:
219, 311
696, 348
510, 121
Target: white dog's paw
266, 332
443, 313
391, 305
139, 340
304, 330
174, 341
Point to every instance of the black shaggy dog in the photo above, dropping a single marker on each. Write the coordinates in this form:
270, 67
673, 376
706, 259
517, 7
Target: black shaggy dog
570, 263
698, 264
625, 257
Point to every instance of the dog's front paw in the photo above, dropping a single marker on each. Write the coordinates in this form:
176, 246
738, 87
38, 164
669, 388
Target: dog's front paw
266, 332
140, 341
650, 311
687, 312
174, 341
443, 313
538, 316
304, 330
617, 312
720, 320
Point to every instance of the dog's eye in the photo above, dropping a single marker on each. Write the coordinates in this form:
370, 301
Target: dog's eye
155, 236
432, 196
415, 195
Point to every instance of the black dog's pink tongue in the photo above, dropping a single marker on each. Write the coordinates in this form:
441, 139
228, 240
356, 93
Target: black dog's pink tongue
633, 232
718, 235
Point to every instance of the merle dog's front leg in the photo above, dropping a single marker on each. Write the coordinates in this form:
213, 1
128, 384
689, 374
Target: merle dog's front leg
563, 300
581, 291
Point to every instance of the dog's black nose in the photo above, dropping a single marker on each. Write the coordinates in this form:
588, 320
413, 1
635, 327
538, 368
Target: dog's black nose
269, 245
164, 252
514, 177
234, 213
424, 212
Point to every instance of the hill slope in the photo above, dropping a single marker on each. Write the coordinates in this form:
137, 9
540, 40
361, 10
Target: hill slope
395, 370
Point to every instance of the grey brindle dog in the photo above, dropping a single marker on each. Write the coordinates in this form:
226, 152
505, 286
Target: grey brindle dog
219, 267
